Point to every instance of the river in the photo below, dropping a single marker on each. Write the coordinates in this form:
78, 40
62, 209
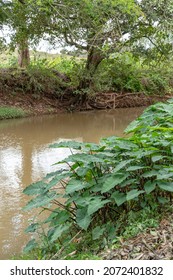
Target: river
25, 157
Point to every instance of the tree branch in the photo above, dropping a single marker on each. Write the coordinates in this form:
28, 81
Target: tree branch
71, 42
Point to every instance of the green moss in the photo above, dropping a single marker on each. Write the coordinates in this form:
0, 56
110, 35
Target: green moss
11, 113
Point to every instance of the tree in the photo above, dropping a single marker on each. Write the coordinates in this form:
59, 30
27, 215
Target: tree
25, 21
20, 9
15, 17
97, 27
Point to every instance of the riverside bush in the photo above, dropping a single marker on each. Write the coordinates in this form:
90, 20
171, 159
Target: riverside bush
103, 181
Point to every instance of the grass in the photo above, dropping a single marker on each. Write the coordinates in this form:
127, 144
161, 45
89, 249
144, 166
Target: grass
11, 113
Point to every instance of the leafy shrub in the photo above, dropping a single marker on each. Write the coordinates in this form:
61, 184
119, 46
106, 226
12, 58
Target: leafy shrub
102, 181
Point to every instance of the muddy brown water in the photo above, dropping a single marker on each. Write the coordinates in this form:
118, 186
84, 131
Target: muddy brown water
25, 157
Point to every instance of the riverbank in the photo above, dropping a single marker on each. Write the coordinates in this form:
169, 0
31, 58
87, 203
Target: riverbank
28, 104
22, 105
40, 90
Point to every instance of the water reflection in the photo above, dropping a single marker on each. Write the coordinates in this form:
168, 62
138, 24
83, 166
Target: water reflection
25, 158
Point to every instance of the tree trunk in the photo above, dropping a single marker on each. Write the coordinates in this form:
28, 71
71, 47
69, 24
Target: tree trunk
23, 55
95, 57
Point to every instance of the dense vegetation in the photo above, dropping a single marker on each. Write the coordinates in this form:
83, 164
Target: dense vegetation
103, 187
59, 76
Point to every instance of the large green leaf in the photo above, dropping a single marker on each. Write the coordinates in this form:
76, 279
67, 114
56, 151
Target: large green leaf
82, 218
41, 200
149, 186
166, 186
119, 197
132, 126
32, 244
83, 200
42, 187
53, 215
155, 158
54, 173
94, 147
149, 174
125, 144
75, 185
68, 144
58, 231
60, 218
36, 188
136, 167
97, 232
133, 194
32, 227
164, 174
113, 180
122, 165
84, 158
162, 200
96, 204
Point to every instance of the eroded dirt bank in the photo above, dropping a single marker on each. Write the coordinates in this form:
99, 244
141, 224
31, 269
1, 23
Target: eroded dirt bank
45, 104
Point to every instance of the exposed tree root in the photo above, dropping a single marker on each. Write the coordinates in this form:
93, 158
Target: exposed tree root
110, 100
